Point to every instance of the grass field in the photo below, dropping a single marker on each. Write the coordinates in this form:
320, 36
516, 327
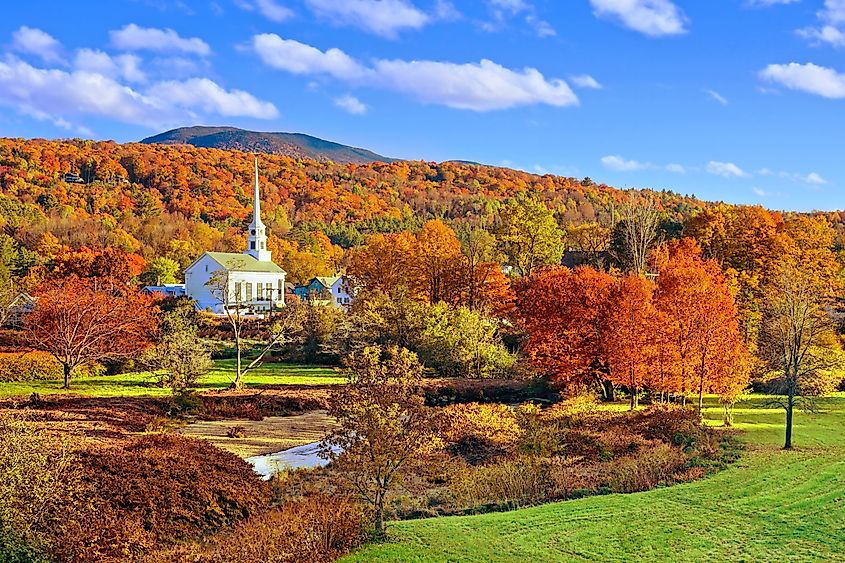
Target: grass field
143, 383
773, 505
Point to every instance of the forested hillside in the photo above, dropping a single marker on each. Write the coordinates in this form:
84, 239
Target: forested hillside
155, 202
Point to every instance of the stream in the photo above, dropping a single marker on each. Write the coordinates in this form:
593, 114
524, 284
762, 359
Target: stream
300, 457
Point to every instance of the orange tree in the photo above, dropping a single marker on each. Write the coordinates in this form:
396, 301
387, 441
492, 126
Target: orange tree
700, 320
564, 314
82, 322
630, 327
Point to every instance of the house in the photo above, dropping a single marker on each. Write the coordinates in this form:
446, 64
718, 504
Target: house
247, 282
166, 290
336, 291
72, 178
18, 309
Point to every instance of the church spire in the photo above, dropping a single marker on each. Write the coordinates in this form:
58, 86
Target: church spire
257, 237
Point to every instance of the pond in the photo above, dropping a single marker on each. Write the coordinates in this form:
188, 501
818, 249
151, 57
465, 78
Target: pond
300, 457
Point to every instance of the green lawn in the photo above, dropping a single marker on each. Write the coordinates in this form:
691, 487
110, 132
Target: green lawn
772, 505
143, 384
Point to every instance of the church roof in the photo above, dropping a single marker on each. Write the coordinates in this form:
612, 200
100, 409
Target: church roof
234, 262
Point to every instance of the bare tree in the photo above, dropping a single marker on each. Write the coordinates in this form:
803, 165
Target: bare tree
637, 233
228, 292
797, 337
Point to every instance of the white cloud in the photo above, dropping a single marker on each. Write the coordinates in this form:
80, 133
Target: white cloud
585, 81
826, 34
351, 104
761, 192
502, 11
654, 18
810, 78
616, 162
134, 38
725, 169
209, 97
299, 58
482, 86
815, 179
37, 42
676, 168
717, 96
126, 66
381, 17
273, 11
832, 17
62, 94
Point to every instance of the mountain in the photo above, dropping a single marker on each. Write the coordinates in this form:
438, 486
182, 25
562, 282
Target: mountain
295, 145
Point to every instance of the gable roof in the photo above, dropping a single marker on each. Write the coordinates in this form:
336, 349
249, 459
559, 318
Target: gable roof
234, 262
328, 281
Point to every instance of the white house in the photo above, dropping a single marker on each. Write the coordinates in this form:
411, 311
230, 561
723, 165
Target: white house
247, 282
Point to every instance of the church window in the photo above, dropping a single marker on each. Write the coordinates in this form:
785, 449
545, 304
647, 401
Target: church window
252, 232
268, 291
260, 291
252, 245
249, 291
238, 291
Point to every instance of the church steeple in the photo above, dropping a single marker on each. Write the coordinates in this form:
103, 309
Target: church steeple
257, 236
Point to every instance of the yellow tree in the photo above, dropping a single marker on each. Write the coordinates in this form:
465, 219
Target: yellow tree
437, 258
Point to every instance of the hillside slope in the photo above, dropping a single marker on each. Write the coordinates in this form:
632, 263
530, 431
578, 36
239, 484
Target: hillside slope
294, 145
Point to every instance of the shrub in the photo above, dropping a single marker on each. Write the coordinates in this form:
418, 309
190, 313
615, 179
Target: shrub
37, 366
510, 483
35, 469
479, 432
157, 490
316, 529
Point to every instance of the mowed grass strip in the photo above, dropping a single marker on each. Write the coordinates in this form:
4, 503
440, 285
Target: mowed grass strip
772, 505
143, 384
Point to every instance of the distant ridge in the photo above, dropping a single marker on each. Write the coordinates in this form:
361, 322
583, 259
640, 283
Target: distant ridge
295, 145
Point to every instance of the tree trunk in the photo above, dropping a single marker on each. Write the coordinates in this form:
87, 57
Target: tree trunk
66, 369
729, 415
379, 521
790, 403
237, 384
634, 398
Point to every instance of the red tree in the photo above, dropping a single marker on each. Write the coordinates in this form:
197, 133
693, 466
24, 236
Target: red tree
80, 322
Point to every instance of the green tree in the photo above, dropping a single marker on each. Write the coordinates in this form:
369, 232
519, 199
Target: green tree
161, 270
529, 235
460, 342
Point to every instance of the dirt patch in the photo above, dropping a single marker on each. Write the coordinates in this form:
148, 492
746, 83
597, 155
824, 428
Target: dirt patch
270, 435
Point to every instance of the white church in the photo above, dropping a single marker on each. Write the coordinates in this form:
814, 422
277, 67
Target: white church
248, 282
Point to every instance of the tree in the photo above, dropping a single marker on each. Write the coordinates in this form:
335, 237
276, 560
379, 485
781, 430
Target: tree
591, 239
529, 235
228, 292
460, 342
438, 255
382, 422
479, 249
797, 337
82, 322
180, 353
631, 325
161, 270
386, 264
700, 319
637, 233
564, 313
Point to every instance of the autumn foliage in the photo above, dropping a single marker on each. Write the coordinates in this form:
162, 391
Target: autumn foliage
679, 335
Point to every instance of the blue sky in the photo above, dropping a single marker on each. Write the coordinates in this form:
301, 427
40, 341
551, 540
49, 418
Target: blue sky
738, 100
